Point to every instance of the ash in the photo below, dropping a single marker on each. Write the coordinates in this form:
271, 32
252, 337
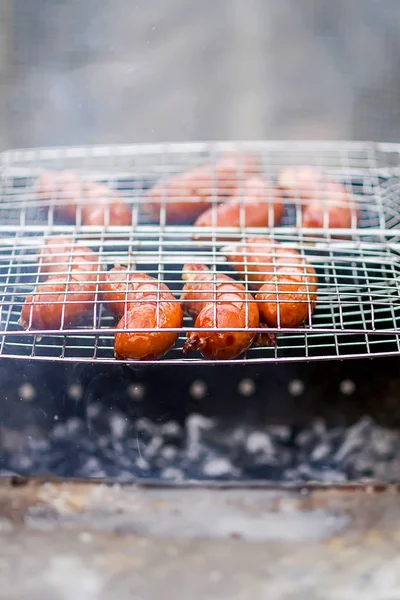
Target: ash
116, 447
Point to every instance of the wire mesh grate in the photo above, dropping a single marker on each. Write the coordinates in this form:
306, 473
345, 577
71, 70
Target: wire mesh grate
358, 267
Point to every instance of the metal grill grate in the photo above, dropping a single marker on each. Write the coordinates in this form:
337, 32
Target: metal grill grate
358, 268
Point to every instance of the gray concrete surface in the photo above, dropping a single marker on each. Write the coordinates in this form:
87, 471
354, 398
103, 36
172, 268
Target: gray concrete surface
79, 541
116, 71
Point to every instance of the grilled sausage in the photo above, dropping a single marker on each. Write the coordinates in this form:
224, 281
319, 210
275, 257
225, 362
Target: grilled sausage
287, 283
69, 292
100, 205
187, 195
326, 203
259, 258
288, 298
105, 207
258, 205
141, 302
64, 187
217, 302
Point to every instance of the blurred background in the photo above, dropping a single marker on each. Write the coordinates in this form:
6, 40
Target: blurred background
114, 71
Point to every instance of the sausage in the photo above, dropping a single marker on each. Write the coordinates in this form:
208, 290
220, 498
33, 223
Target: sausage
258, 205
69, 292
287, 283
141, 302
217, 301
288, 298
186, 195
66, 188
61, 256
326, 203
259, 258
105, 207
100, 205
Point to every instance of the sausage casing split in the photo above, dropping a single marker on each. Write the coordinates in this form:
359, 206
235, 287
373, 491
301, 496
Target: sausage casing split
287, 283
69, 292
144, 303
217, 302
258, 205
186, 195
326, 203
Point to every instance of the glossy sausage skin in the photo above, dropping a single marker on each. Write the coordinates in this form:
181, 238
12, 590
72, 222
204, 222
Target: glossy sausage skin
289, 298
260, 258
100, 204
65, 188
217, 305
68, 294
141, 302
259, 204
287, 283
105, 207
188, 194
60, 256
326, 203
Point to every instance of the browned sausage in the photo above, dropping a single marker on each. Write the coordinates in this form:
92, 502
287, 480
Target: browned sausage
288, 298
217, 302
259, 258
104, 207
60, 256
100, 205
142, 303
326, 203
69, 292
286, 281
258, 205
65, 188
187, 195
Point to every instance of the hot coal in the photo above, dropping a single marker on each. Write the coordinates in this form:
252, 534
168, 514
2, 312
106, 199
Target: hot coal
112, 445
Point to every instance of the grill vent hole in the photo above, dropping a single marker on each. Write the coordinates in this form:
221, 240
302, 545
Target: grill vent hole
198, 389
247, 387
347, 387
296, 387
136, 391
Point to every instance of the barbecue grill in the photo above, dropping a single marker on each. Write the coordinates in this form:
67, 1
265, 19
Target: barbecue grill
358, 268
275, 473
356, 316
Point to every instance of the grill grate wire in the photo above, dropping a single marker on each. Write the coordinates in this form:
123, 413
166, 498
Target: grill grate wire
358, 308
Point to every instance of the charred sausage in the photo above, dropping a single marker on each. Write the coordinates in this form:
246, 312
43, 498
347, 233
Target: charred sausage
68, 294
141, 302
258, 205
217, 302
187, 195
326, 203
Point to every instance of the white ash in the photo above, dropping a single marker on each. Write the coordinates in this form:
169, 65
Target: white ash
259, 441
217, 467
116, 446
